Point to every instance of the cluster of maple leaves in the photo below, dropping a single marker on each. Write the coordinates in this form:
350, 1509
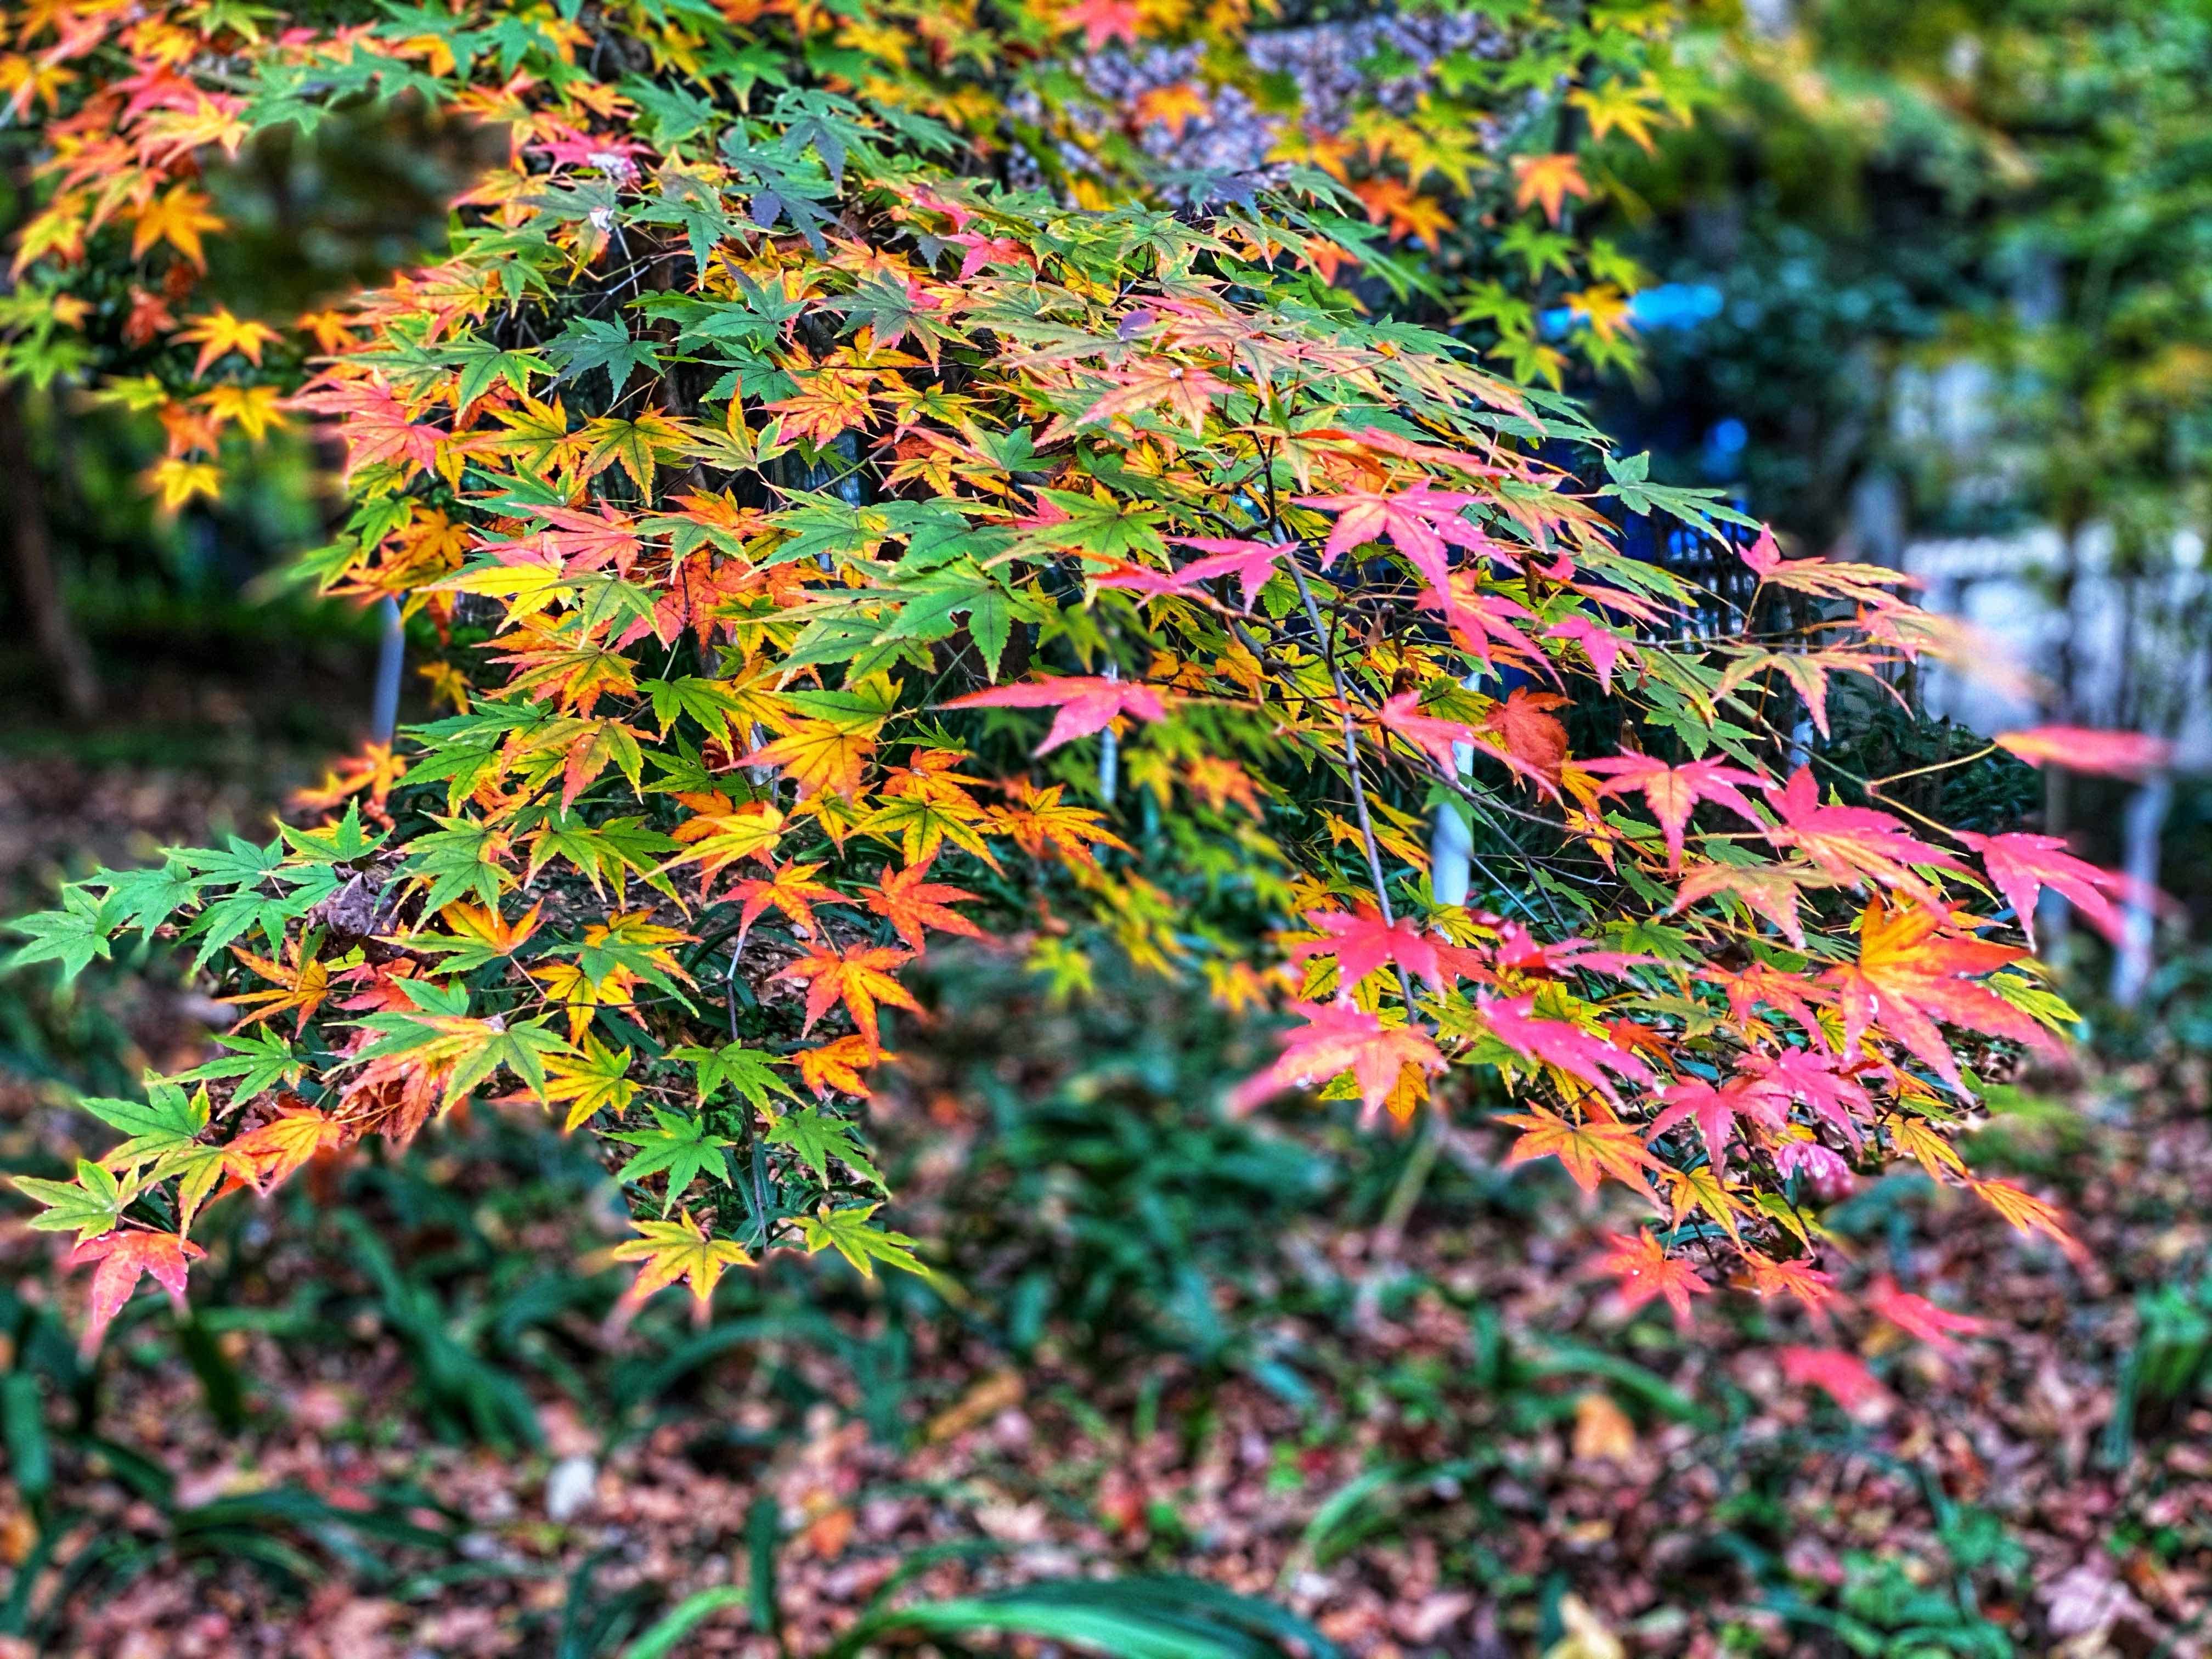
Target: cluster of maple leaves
766, 481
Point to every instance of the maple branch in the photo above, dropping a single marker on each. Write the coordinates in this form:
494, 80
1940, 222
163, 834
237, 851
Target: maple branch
1352, 765
1878, 784
748, 1166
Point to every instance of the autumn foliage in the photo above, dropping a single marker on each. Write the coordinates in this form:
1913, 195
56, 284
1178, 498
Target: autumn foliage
837, 546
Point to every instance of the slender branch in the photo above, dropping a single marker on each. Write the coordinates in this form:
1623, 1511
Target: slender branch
1352, 766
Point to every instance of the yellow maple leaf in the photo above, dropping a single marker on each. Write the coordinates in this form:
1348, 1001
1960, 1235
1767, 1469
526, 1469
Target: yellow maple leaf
177, 217
177, 480
678, 1249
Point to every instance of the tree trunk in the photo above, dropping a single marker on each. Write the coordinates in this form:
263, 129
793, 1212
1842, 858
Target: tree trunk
60, 647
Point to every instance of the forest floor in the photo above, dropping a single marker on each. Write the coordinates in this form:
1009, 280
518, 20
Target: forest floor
400, 1425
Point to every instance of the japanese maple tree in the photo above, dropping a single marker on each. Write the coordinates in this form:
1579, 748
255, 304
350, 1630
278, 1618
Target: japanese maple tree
834, 551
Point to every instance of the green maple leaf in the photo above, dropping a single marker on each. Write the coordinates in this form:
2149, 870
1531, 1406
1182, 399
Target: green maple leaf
144, 899
91, 1205
342, 843
483, 361
680, 1148
613, 850
1113, 529
452, 860
589, 342
259, 1058
702, 700
815, 1137
167, 1121
72, 935
748, 1070
848, 1232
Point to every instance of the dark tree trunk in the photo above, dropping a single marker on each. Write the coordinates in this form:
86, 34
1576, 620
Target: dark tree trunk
60, 647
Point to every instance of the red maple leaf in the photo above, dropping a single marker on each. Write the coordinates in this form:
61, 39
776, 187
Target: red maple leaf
123, 1257
1556, 1043
1363, 942
1852, 843
1449, 743
1533, 743
1337, 1038
910, 901
1715, 1110
2084, 749
1644, 1271
1087, 703
1917, 1316
1842, 1376
2022, 865
1673, 791
1419, 521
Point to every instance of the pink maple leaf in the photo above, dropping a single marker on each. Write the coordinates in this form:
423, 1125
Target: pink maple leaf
2084, 749
1715, 1109
1842, 1377
1363, 942
1438, 738
1673, 792
1337, 1038
2022, 865
1917, 1316
1087, 703
1557, 1044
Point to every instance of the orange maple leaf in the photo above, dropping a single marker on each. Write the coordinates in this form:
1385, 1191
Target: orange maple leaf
1913, 972
859, 977
1549, 179
911, 903
218, 333
1591, 1150
124, 1257
177, 217
301, 985
818, 755
789, 890
1039, 818
289, 1139
1173, 106
837, 1065
1645, 1270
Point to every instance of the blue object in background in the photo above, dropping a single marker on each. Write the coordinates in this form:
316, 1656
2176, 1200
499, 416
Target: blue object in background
1670, 305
